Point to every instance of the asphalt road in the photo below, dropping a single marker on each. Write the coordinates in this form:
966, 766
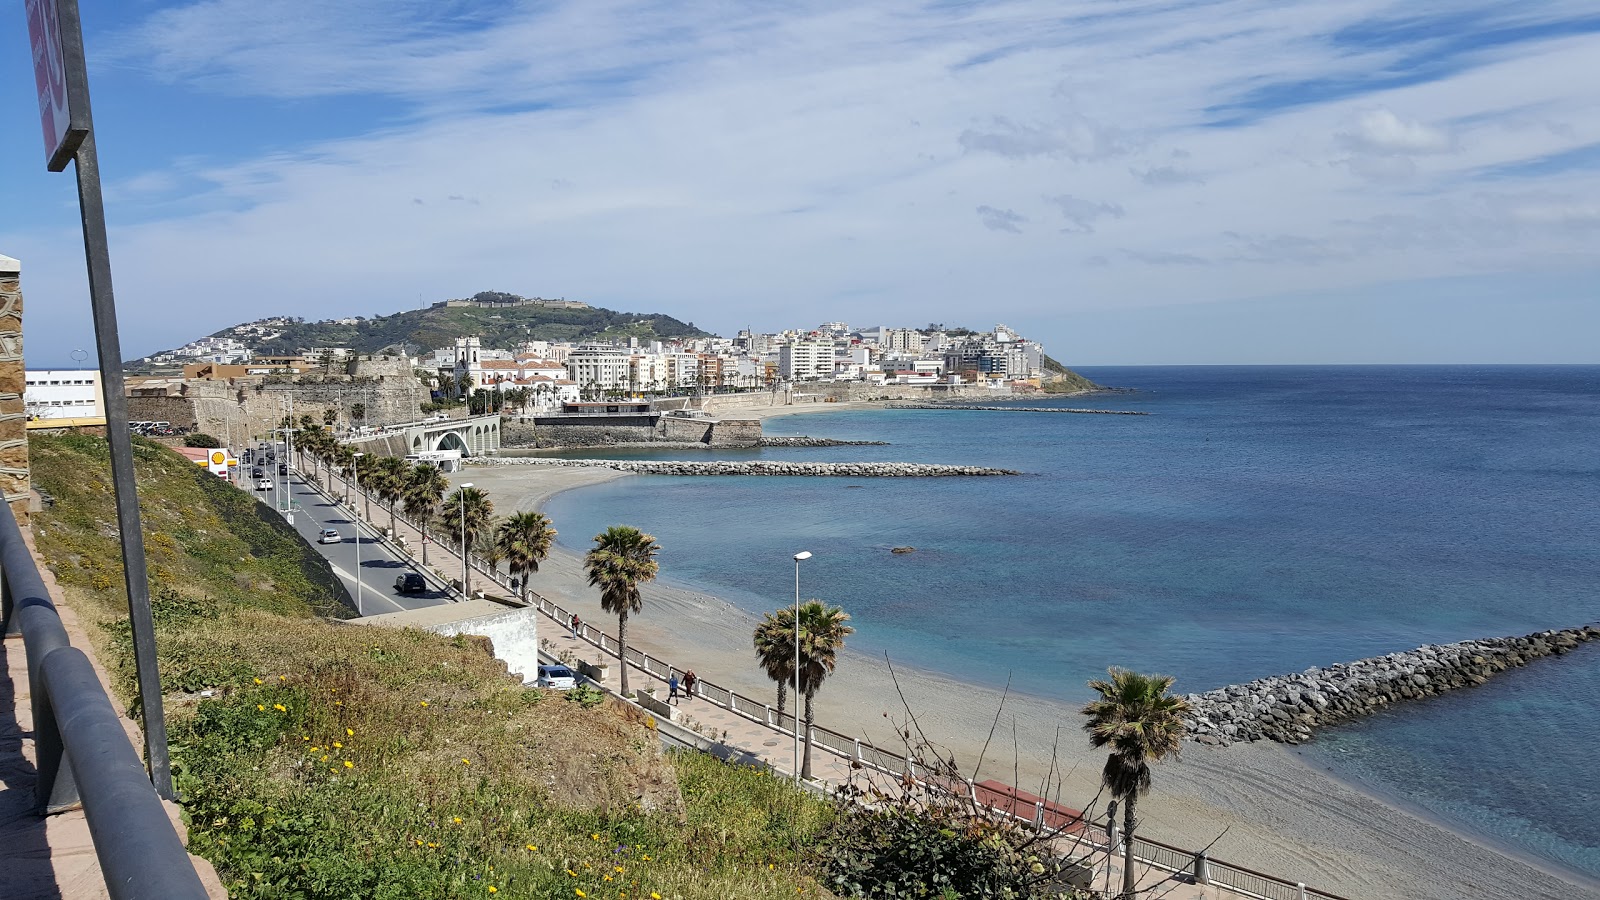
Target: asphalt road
379, 567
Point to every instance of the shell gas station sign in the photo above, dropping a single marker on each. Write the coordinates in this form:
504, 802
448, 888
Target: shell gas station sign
218, 461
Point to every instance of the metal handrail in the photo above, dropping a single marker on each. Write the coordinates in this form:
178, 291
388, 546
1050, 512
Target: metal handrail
83, 755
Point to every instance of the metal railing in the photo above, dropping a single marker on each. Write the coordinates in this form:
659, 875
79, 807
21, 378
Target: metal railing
83, 755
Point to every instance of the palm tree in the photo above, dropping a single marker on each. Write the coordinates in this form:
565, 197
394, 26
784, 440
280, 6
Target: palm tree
343, 456
422, 495
390, 475
1141, 723
774, 642
473, 505
622, 559
822, 633
367, 474
524, 538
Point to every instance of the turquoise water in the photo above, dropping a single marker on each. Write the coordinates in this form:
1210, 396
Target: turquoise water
1261, 520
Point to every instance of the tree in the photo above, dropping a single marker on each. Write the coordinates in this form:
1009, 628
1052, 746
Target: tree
473, 506
524, 539
202, 440
358, 411
389, 478
422, 496
622, 559
1140, 722
822, 633
774, 643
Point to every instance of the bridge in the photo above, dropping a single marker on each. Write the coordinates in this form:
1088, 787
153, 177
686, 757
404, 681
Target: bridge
473, 436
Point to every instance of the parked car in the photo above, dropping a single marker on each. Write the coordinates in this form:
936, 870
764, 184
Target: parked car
263, 484
410, 583
329, 536
283, 468
557, 677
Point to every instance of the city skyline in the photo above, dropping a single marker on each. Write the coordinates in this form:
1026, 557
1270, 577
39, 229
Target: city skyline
1239, 182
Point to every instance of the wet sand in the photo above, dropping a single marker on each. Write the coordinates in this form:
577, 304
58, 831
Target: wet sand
1263, 806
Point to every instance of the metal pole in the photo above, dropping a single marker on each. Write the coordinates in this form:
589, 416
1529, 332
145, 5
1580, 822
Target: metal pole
803, 554
108, 345
357, 519
466, 590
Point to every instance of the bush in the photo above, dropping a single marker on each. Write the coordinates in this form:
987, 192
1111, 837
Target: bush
201, 439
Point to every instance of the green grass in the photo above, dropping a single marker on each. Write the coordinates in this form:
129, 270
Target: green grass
318, 759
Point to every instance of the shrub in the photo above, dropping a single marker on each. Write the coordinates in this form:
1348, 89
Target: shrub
201, 439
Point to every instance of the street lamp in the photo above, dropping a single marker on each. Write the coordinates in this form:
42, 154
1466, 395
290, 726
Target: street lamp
803, 554
357, 462
466, 593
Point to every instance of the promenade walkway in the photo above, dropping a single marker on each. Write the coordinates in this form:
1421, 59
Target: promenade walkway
52, 857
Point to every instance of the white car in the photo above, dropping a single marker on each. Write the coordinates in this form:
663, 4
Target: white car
557, 677
329, 536
263, 484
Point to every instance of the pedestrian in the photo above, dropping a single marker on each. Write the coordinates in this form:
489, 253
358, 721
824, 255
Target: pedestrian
575, 624
689, 683
672, 689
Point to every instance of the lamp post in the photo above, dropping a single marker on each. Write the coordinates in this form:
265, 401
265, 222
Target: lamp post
466, 593
803, 554
356, 463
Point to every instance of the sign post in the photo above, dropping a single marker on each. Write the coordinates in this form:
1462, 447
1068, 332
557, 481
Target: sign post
56, 35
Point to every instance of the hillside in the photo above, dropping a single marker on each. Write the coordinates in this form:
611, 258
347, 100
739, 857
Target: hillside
433, 327
330, 761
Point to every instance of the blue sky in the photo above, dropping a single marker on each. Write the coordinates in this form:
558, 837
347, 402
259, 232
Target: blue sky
1130, 181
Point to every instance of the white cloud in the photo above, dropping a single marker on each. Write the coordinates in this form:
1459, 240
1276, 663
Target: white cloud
729, 164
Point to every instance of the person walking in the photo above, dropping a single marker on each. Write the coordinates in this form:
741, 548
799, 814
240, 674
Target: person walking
689, 682
575, 624
672, 689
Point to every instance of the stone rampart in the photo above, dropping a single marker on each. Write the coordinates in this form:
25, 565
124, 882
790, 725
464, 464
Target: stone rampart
1289, 708
752, 467
15, 481
1035, 409
735, 433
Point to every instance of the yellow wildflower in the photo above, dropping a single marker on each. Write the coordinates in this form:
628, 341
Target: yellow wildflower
324, 758
349, 765
337, 745
349, 732
493, 889
456, 820
283, 678
606, 878
654, 896
258, 681
616, 868
424, 703
280, 707
433, 845
533, 847
260, 708
596, 835
579, 892
572, 873
465, 761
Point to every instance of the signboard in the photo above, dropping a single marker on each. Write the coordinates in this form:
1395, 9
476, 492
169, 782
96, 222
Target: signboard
58, 74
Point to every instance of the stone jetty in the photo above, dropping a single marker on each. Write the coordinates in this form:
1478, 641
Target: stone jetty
1043, 409
801, 441
1289, 708
753, 467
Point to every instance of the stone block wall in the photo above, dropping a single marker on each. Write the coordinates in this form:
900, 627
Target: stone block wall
736, 433
15, 484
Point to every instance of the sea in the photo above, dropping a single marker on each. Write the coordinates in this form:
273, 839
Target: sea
1260, 520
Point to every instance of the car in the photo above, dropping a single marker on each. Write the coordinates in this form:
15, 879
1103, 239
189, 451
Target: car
410, 583
263, 484
258, 472
283, 468
329, 536
557, 677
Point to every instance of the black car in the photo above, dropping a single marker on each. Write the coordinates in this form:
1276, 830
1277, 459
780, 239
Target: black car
410, 583
283, 468
257, 473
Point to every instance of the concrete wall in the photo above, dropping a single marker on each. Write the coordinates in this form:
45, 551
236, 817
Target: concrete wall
736, 433
682, 428
15, 483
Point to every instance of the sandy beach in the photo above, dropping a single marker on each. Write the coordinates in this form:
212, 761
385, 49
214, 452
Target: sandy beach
1262, 805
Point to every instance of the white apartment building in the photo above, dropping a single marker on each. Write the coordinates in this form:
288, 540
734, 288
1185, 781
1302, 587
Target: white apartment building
599, 366
903, 340
805, 359
63, 394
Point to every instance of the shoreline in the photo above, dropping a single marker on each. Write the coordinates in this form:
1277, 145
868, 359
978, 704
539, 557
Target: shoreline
1274, 810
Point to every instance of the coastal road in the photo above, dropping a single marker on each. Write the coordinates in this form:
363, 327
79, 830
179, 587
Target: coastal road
379, 566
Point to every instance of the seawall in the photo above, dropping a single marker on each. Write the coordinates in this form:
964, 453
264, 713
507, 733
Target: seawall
1289, 708
754, 467
1037, 409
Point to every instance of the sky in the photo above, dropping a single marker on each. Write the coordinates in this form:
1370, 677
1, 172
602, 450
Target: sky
1128, 181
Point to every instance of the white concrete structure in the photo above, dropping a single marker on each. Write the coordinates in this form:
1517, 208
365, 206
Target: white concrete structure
63, 394
805, 360
599, 367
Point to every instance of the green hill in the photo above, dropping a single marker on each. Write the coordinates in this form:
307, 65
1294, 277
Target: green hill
438, 326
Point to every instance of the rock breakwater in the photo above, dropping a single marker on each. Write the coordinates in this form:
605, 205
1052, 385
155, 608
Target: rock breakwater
1289, 708
801, 441
755, 467
1041, 409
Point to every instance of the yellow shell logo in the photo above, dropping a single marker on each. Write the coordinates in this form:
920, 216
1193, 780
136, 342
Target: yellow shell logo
218, 457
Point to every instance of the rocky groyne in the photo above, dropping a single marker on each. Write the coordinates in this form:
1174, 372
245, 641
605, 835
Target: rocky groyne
754, 467
1041, 409
1289, 708
800, 441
